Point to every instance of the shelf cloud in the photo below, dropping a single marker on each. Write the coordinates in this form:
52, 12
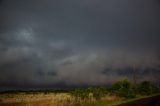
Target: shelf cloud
50, 43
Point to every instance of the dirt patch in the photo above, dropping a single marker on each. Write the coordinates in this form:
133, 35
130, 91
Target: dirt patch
150, 101
109, 97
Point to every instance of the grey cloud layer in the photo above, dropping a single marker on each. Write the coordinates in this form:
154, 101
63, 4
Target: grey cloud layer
46, 42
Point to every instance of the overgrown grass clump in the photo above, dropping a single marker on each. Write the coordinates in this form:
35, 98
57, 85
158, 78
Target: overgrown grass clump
95, 92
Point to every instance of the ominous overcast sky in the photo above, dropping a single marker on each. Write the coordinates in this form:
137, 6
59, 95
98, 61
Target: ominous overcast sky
48, 43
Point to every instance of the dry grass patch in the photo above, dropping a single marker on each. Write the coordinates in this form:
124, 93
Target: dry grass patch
40, 99
50, 99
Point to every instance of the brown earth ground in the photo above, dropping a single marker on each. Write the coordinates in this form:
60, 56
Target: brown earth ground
150, 101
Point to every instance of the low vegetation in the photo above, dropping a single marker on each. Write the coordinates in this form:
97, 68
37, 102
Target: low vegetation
120, 92
124, 88
147, 88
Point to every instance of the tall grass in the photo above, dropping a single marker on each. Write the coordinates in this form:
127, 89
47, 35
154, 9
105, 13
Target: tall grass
121, 91
49, 99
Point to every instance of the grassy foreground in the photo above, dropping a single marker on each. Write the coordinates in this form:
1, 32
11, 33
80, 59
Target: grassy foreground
121, 92
52, 99
59, 99
36, 99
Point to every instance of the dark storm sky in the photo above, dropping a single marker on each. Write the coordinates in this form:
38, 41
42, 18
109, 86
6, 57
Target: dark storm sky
78, 42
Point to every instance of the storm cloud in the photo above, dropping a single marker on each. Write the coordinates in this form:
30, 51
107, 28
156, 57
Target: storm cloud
47, 43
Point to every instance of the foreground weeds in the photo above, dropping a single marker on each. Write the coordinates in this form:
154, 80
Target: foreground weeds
49, 99
40, 99
120, 92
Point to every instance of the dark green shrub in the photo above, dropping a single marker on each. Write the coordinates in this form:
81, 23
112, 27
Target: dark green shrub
128, 93
147, 88
124, 88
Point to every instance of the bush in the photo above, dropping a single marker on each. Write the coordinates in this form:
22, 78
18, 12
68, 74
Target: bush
147, 88
124, 88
